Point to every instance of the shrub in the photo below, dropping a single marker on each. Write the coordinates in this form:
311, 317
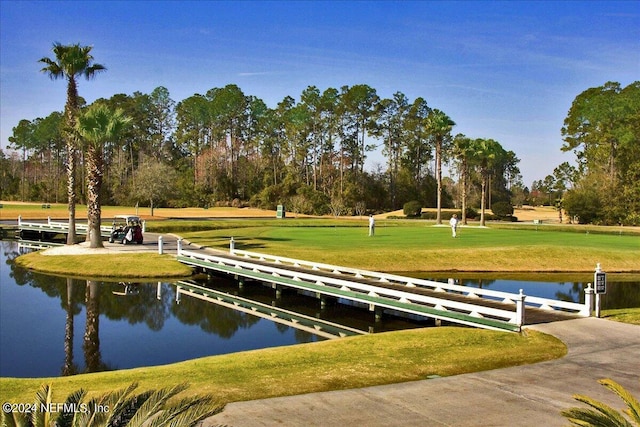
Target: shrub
412, 208
445, 214
471, 213
429, 215
583, 204
502, 209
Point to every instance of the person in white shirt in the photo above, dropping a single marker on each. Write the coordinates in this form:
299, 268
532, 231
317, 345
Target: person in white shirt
372, 225
454, 224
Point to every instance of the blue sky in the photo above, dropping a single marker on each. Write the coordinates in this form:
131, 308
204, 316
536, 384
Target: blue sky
502, 70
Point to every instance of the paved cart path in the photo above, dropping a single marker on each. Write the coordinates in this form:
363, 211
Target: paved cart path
530, 395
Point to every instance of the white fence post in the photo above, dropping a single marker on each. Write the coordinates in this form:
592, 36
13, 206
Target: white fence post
160, 243
179, 246
588, 301
232, 245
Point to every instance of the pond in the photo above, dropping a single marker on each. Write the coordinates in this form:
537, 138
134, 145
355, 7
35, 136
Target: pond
52, 326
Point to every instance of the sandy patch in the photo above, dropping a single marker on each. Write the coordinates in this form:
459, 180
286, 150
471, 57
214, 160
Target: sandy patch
544, 213
527, 213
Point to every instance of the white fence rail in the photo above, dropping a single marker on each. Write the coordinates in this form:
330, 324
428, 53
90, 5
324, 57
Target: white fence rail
506, 297
62, 227
514, 316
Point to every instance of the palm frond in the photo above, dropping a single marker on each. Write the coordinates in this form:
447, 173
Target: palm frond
94, 417
584, 417
587, 418
91, 71
66, 417
603, 415
632, 403
187, 412
154, 404
52, 69
81, 419
99, 124
41, 418
128, 408
121, 405
15, 419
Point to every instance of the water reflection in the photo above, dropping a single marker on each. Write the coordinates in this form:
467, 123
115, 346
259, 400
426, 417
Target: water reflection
315, 325
69, 368
63, 326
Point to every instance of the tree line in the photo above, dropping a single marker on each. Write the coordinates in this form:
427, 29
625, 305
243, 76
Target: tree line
226, 147
602, 129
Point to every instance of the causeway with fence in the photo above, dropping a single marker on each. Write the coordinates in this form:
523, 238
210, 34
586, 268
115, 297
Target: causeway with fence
442, 301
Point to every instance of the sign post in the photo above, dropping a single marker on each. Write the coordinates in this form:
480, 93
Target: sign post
600, 282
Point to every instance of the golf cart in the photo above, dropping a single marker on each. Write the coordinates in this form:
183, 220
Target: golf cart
126, 229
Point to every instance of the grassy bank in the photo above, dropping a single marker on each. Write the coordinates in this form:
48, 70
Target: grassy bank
125, 265
625, 315
353, 362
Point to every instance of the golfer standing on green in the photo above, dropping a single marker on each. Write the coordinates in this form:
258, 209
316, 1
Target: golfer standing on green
372, 225
454, 224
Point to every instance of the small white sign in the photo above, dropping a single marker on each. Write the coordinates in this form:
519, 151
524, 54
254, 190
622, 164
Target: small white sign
600, 279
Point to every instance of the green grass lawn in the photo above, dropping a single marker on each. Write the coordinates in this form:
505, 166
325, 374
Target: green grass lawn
398, 246
625, 315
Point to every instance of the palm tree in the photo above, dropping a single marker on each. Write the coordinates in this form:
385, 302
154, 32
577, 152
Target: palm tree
439, 126
486, 154
604, 415
71, 62
97, 126
117, 408
462, 147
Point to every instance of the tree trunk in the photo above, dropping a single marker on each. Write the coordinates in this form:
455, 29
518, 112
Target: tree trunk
482, 199
70, 137
71, 193
464, 193
439, 181
94, 186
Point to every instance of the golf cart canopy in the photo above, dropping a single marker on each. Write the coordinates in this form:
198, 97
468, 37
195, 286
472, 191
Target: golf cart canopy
129, 219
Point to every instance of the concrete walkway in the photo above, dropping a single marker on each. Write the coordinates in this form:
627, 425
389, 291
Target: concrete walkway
530, 395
